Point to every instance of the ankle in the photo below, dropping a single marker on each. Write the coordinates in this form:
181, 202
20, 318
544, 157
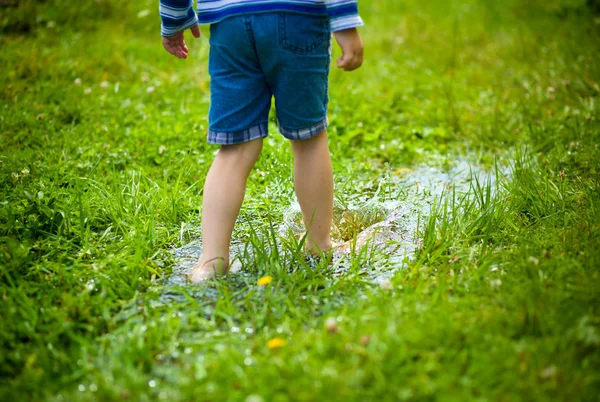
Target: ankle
217, 265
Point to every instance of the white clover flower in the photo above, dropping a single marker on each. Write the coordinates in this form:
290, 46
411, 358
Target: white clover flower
331, 325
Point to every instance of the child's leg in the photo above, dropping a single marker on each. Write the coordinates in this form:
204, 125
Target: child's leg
313, 181
223, 195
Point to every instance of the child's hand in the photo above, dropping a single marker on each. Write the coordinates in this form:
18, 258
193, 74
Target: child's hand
352, 49
176, 45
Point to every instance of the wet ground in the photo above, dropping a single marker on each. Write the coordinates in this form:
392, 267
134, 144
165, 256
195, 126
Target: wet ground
393, 241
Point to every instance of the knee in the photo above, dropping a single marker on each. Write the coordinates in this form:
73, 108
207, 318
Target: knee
247, 152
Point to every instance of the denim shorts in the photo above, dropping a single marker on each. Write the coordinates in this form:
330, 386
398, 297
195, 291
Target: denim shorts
259, 56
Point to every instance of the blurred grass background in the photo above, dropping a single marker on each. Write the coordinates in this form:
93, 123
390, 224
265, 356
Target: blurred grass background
102, 159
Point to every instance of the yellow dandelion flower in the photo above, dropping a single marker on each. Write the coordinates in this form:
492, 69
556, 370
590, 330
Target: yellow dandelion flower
264, 281
276, 343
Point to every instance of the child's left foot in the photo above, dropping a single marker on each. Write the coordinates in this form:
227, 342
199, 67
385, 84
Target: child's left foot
208, 269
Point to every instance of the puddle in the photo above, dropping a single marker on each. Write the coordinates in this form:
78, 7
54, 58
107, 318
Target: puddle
186, 257
393, 239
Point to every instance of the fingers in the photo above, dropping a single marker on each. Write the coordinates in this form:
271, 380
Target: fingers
182, 50
195, 31
350, 62
176, 46
177, 51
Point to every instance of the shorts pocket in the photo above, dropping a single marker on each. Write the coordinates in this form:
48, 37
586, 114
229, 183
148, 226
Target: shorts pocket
300, 33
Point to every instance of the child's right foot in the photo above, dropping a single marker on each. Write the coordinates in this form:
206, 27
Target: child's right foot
311, 247
316, 253
208, 269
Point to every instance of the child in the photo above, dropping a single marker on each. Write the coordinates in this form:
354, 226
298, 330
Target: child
260, 49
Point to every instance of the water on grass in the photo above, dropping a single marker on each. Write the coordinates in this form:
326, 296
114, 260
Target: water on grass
392, 242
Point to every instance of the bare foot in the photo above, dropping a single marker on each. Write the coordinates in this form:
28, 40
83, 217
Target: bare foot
208, 269
316, 249
316, 253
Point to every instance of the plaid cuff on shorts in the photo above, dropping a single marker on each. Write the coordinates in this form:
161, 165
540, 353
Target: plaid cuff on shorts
238, 137
305, 133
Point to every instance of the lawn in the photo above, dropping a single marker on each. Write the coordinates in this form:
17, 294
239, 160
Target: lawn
471, 134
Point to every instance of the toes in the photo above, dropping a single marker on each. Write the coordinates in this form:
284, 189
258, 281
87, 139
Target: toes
199, 275
208, 269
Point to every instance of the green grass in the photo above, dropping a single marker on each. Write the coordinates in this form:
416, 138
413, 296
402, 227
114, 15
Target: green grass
99, 180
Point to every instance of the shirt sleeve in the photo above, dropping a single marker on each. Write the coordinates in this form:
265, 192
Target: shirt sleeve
177, 16
343, 14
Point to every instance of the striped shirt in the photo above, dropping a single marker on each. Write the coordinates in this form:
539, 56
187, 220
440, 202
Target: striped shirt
179, 15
